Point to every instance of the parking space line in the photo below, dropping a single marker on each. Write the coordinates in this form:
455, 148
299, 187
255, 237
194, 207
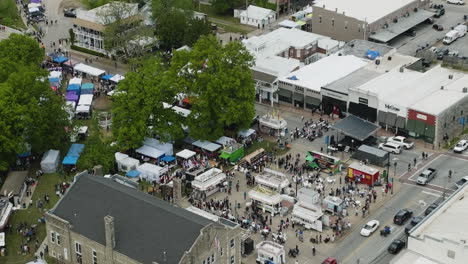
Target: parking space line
433, 194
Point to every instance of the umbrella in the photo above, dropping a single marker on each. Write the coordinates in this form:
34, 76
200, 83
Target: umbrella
107, 77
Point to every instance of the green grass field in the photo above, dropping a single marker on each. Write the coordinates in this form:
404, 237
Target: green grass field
9, 15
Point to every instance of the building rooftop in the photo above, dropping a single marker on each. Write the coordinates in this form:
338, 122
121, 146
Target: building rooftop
359, 47
276, 65
327, 70
256, 12
145, 226
14, 182
364, 10
97, 14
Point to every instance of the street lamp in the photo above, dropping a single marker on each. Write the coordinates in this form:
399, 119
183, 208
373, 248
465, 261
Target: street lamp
352, 145
395, 163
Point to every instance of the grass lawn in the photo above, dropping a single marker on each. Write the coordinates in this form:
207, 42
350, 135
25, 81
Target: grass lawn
9, 15
268, 146
210, 11
228, 22
14, 240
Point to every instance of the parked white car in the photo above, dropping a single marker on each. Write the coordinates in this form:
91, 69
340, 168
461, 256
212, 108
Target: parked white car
402, 141
456, 2
461, 146
369, 228
390, 147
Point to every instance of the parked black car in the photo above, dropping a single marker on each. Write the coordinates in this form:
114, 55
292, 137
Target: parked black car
442, 53
439, 12
69, 13
438, 27
402, 216
430, 208
414, 221
396, 246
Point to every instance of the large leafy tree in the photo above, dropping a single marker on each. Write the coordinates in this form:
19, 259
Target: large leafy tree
221, 81
224, 6
30, 112
138, 107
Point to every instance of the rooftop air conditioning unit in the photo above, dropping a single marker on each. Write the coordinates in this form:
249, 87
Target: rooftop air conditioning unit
465, 90
450, 76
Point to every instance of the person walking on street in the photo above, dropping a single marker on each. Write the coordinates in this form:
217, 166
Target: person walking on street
415, 160
313, 250
409, 167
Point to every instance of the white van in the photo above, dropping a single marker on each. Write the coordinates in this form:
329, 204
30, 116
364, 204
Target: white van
391, 147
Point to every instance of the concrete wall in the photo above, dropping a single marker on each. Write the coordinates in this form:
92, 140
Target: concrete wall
449, 121
439, 249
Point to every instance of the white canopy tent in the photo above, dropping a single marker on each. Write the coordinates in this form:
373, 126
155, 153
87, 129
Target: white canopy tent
83, 109
246, 133
150, 171
150, 152
209, 179
265, 196
126, 163
50, 161
33, 9
55, 74
224, 141
167, 148
117, 78
85, 99
181, 111
186, 154
206, 145
34, 5
75, 81
88, 69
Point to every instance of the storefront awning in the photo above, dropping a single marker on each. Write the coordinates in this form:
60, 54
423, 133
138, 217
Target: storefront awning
395, 29
356, 127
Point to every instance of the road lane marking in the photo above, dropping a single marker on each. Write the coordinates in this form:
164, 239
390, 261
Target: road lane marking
422, 168
431, 193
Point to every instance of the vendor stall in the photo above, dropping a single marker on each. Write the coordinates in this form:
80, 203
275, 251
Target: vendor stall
167, 148
310, 217
232, 152
86, 69
50, 161
273, 180
209, 182
360, 173
271, 253
207, 146
86, 99
323, 162
72, 96
273, 125
151, 172
83, 111
185, 154
126, 163
73, 154
87, 88
333, 204
73, 88
75, 81
6, 208
255, 157
116, 78
150, 152
265, 199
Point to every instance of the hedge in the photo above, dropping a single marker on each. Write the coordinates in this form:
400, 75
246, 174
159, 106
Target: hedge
92, 52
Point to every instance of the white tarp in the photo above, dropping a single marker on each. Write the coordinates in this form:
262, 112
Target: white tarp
150, 152
85, 99
225, 140
55, 74
33, 9
150, 171
246, 133
186, 154
34, 5
167, 148
181, 111
206, 145
117, 78
50, 161
126, 163
83, 109
75, 81
88, 69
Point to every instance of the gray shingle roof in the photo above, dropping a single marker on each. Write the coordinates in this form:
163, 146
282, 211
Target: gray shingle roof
356, 127
145, 226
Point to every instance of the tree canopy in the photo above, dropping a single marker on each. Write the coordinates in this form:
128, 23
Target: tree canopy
224, 6
30, 112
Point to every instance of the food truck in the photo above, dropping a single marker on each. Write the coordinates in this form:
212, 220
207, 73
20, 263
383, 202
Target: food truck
271, 253
323, 162
333, 204
361, 173
273, 125
307, 211
273, 180
266, 199
209, 182
232, 152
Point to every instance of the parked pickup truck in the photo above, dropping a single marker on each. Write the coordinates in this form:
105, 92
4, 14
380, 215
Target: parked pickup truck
426, 176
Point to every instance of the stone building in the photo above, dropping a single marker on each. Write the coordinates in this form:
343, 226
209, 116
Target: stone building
99, 220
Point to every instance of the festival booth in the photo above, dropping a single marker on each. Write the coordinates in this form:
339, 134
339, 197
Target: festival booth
273, 180
185, 154
232, 151
107, 77
55, 74
149, 152
273, 125
126, 163
83, 110
360, 173
266, 199
270, 252
6, 208
87, 88
255, 157
307, 211
72, 96
207, 146
50, 161
324, 162
333, 204
167, 148
208, 182
86, 99
151, 172
75, 81
89, 70
116, 78
73, 154
75, 88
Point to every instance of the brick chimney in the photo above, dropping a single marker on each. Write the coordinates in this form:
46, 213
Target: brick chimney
110, 238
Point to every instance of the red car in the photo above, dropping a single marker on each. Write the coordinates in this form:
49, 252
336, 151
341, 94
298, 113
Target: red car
330, 260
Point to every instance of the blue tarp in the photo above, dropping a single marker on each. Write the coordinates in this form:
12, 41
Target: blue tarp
372, 54
54, 80
73, 154
87, 91
87, 86
133, 174
60, 59
73, 87
167, 158
107, 77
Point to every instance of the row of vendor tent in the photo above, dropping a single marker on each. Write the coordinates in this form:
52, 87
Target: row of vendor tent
155, 149
133, 169
73, 154
55, 79
113, 78
50, 161
89, 70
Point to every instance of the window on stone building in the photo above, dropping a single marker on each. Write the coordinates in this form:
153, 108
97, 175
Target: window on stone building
333, 22
52, 237
221, 251
320, 19
232, 243
212, 258
346, 25
58, 239
95, 257
79, 256
233, 259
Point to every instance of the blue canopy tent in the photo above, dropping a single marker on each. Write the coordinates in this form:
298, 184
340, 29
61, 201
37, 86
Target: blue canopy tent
60, 59
167, 158
372, 54
133, 174
73, 87
87, 88
107, 77
73, 154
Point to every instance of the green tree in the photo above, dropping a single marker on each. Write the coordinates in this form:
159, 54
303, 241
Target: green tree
224, 6
30, 112
220, 79
196, 28
138, 106
171, 28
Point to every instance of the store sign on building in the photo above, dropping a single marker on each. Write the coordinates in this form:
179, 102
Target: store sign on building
332, 95
392, 107
363, 100
421, 116
299, 89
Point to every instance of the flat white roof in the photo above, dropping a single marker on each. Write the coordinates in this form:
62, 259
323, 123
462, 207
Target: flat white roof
448, 221
365, 10
209, 178
96, 15
329, 69
270, 247
276, 65
255, 12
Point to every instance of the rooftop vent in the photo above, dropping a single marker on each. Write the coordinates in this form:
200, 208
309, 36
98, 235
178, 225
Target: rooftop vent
442, 87
465, 90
